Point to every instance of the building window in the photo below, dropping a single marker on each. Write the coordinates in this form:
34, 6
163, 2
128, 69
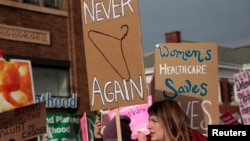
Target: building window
232, 93
56, 4
49, 75
51, 80
31, 1
53, 4
221, 93
236, 99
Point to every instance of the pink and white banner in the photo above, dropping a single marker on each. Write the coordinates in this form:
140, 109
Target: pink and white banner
138, 115
242, 85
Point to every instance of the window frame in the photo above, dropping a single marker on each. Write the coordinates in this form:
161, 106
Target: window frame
36, 8
47, 63
58, 4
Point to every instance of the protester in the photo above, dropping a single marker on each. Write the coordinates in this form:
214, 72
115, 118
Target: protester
110, 132
168, 122
97, 129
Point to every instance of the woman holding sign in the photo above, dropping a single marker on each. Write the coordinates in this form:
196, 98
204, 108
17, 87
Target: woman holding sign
168, 122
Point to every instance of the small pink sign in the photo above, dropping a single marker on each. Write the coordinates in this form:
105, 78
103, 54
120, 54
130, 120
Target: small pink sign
138, 115
84, 127
242, 85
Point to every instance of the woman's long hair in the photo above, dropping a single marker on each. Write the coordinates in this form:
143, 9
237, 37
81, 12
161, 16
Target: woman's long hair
173, 119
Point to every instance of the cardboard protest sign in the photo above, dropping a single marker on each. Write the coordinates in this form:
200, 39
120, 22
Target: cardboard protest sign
242, 85
113, 51
23, 123
188, 73
16, 84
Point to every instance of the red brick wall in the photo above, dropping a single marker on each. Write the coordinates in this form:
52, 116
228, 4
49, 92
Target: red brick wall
80, 74
56, 25
66, 43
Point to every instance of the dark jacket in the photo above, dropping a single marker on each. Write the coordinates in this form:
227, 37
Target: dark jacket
98, 139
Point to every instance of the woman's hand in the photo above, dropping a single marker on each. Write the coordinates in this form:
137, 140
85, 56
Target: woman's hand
141, 136
97, 128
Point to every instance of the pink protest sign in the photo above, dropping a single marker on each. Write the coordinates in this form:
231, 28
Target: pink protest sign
138, 115
84, 127
242, 85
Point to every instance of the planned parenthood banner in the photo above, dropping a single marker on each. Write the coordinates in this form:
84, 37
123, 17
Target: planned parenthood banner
63, 127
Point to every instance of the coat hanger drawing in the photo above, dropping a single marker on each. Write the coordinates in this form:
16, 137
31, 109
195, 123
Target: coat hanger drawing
112, 50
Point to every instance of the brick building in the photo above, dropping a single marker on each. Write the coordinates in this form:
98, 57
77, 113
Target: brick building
49, 34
